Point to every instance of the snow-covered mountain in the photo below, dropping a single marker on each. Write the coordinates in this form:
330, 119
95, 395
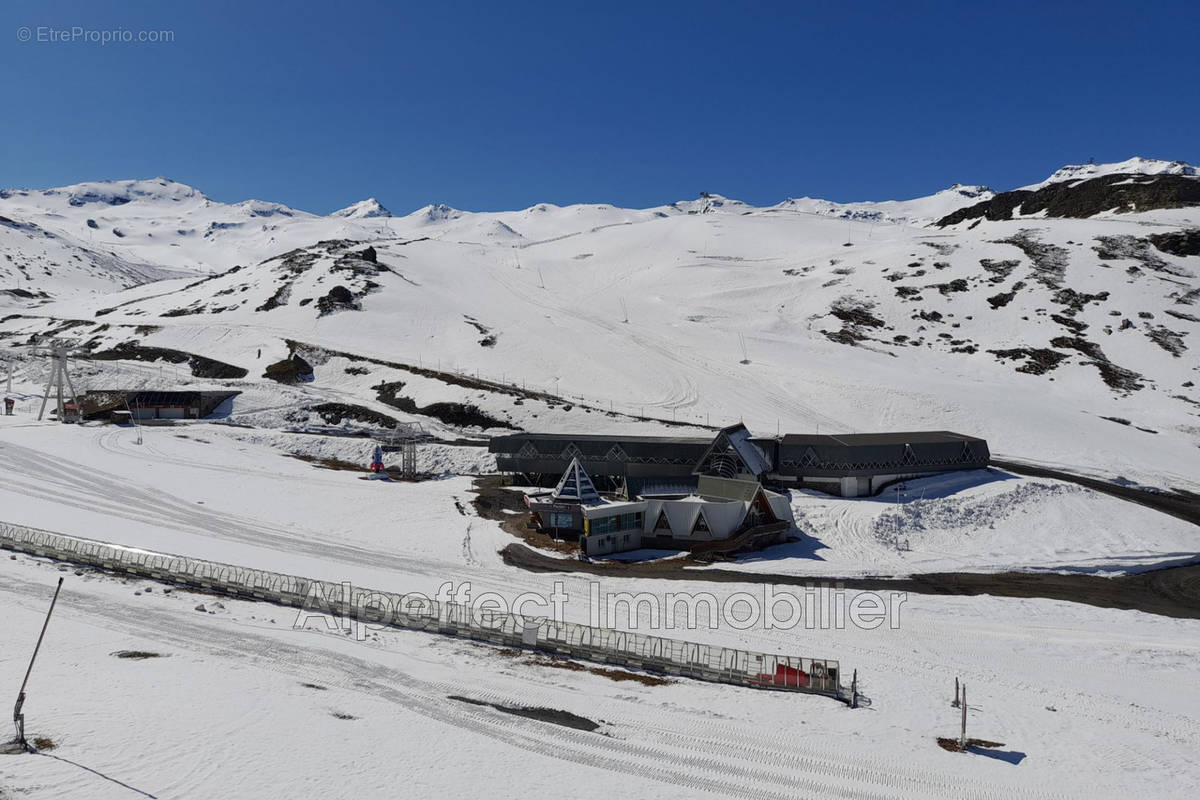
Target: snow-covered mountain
364, 209
922, 210
1131, 166
1065, 333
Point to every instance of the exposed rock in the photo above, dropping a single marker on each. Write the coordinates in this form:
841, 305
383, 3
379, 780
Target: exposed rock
1000, 270
337, 299
1038, 360
1178, 243
1122, 193
1049, 261
1168, 340
292, 369
200, 366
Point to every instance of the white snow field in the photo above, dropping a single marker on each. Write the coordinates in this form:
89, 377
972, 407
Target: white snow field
1067, 342
1084, 700
852, 320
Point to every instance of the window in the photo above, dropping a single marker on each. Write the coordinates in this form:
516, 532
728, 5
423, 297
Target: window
604, 524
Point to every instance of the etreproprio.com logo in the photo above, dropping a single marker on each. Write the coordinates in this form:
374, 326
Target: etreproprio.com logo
78, 34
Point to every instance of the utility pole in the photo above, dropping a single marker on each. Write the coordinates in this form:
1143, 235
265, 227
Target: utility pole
18, 716
134, 419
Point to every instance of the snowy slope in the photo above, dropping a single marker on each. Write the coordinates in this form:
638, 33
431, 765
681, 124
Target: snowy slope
38, 264
1060, 340
1086, 701
916, 212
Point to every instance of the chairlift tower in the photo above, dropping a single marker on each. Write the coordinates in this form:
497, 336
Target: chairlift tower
404, 439
60, 378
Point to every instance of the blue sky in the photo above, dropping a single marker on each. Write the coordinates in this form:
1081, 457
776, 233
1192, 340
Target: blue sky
500, 105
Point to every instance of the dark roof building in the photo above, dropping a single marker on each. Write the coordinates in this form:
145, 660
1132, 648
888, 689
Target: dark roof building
848, 464
152, 403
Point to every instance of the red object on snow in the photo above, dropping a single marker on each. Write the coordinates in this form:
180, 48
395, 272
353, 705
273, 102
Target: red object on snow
785, 676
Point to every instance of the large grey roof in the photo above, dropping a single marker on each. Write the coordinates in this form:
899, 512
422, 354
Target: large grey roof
867, 439
603, 437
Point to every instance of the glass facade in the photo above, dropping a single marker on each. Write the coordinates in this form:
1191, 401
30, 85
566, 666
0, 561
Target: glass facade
618, 522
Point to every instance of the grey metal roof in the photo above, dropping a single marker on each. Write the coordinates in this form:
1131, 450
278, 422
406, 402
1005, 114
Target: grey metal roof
868, 439
737, 439
711, 487
520, 438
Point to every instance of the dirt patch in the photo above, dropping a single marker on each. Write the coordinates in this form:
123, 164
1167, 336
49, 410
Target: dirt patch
552, 715
318, 687
574, 666
393, 473
493, 501
952, 744
136, 655
201, 366
1171, 592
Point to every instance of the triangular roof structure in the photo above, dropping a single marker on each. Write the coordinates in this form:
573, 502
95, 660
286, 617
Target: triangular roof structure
732, 451
575, 485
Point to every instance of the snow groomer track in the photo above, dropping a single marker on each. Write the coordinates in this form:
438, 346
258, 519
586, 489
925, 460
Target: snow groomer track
417, 612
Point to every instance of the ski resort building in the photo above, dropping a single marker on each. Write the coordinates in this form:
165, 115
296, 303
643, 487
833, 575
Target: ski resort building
712, 499
151, 404
720, 514
850, 465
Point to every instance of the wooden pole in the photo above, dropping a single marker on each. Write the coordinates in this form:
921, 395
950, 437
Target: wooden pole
955, 703
854, 690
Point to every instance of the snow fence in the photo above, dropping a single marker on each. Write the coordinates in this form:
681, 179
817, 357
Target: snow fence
417, 612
